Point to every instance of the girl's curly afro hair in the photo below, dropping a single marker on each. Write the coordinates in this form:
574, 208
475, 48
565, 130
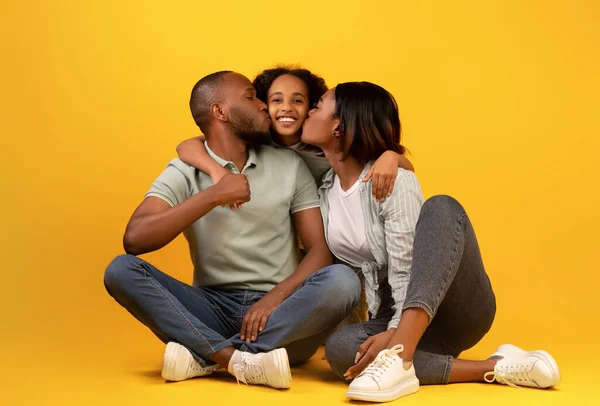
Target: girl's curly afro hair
315, 84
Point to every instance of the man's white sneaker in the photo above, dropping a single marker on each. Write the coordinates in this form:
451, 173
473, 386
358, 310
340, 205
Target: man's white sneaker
385, 379
268, 368
517, 367
179, 364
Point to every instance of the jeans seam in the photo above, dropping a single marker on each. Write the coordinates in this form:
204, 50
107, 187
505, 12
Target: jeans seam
458, 226
447, 370
447, 366
159, 288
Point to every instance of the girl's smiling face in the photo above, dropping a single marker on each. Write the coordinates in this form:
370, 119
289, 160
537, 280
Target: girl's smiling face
287, 100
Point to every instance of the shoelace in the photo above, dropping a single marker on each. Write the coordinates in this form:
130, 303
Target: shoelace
510, 376
249, 369
382, 362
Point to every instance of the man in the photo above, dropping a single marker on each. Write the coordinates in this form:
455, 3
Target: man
252, 301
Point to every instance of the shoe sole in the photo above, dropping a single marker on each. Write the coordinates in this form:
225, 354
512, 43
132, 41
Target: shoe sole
544, 355
282, 365
404, 389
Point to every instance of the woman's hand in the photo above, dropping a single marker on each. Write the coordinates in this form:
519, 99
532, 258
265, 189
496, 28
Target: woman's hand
368, 351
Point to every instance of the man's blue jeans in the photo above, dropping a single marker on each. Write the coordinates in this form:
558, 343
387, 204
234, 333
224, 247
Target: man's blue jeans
207, 320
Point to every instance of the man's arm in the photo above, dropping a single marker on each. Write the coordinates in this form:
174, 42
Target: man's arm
309, 225
155, 223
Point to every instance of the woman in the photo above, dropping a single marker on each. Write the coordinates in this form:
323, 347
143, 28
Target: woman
428, 294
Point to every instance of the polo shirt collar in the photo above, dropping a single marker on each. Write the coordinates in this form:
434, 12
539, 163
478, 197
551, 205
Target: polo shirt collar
251, 162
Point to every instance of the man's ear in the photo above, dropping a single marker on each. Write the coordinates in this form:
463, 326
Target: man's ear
220, 111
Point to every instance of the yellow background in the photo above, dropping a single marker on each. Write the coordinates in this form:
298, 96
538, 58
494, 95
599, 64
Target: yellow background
499, 102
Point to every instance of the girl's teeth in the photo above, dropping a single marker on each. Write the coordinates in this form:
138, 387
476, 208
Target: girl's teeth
287, 120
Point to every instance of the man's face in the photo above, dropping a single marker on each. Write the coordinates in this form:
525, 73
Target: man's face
249, 117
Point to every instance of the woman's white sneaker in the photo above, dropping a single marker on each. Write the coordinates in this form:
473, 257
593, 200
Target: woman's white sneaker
179, 364
517, 367
385, 379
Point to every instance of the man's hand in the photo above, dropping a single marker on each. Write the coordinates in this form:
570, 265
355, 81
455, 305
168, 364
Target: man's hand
216, 175
368, 351
257, 316
233, 189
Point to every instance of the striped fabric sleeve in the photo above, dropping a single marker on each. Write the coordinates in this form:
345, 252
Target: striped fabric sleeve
401, 212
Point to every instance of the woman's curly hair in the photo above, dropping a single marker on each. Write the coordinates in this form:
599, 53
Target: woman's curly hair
315, 84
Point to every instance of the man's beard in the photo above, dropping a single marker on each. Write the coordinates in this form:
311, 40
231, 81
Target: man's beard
243, 128
254, 137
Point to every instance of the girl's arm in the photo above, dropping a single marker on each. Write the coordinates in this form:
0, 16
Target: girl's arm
383, 173
193, 152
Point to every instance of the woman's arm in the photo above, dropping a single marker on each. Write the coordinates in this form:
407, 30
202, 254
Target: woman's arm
400, 213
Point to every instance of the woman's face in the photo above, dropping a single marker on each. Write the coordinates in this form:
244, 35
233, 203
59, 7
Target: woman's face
287, 100
321, 124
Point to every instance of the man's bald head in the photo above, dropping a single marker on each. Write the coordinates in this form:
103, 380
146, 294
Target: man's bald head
227, 101
209, 90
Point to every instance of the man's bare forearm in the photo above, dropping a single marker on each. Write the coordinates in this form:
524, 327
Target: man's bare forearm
147, 232
317, 257
155, 223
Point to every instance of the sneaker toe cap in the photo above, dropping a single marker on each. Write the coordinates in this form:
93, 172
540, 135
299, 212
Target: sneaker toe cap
544, 375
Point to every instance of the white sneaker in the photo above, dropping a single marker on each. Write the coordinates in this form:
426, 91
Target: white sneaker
179, 364
268, 368
517, 367
385, 379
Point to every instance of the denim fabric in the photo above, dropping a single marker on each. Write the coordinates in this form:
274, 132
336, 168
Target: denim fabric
207, 320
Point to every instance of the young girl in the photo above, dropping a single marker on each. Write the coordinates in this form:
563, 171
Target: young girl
289, 94
429, 296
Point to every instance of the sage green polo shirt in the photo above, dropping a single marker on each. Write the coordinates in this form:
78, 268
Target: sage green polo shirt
253, 248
